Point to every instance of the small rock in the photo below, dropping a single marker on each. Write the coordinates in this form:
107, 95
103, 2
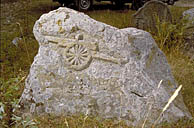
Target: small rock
190, 15
16, 40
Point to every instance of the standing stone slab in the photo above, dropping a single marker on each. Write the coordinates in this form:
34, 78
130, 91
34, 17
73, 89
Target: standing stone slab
87, 66
145, 18
189, 33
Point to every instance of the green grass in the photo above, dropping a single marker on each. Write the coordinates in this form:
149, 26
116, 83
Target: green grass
15, 63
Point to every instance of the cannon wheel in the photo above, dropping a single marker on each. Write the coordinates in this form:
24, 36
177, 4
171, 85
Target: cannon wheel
77, 56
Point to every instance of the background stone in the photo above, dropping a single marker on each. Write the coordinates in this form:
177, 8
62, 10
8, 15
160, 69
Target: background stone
189, 33
146, 17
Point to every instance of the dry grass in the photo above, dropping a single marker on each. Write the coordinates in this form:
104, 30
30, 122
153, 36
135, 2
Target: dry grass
172, 98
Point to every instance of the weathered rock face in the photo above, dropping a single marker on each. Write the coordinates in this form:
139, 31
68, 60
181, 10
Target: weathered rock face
87, 66
146, 17
189, 33
190, 14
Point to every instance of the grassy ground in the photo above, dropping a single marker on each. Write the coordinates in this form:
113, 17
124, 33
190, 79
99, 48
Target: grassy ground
17, 20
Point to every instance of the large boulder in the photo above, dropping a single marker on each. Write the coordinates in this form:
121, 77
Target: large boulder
87, 66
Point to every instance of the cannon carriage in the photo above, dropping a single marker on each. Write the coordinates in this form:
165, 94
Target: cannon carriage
78, 53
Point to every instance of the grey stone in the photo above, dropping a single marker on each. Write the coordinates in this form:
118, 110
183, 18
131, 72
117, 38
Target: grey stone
85, 66
190, 15
16, 40
146, 17
189, 33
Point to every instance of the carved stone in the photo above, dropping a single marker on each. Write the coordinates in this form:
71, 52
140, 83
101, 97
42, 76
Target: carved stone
146, 17
87, 66
79, 54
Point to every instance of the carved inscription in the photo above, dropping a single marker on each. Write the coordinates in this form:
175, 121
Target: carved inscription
79, 54
85, 83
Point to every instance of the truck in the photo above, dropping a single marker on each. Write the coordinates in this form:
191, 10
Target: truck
84, 5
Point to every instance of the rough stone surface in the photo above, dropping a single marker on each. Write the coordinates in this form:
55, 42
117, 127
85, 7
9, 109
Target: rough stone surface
190, 14
145, 18
85, 66
189, 33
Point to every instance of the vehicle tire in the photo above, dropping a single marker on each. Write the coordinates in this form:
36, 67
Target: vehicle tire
136, 4
170, 2
84, 5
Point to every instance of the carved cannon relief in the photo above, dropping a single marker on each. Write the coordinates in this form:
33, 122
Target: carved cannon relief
79, 53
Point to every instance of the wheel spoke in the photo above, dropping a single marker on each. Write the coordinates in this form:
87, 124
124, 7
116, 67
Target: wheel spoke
84, 55
70, 54
83, 50
69, 57
73, 61
76, 48
79, 61
84, 58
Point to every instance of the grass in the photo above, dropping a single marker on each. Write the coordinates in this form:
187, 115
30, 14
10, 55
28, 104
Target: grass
15, 63
113, 18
